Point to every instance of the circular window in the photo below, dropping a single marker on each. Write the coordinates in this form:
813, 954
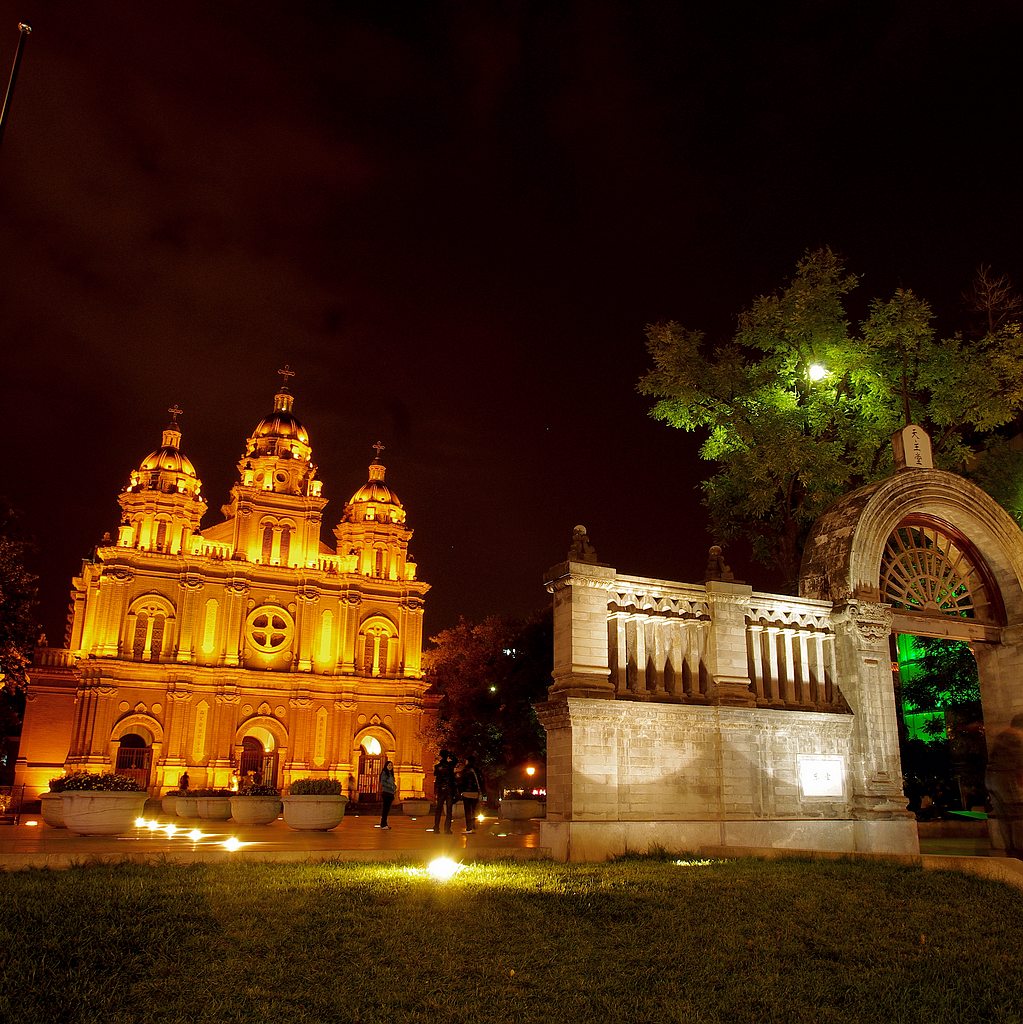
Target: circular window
281, 477
270, 629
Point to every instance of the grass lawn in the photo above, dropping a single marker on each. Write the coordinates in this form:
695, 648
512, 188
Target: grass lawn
633, 941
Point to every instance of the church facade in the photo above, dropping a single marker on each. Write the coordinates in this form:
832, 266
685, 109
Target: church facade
248, 649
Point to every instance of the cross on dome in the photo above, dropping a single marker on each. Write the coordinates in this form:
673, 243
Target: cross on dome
286, 373
175, 412
378, 448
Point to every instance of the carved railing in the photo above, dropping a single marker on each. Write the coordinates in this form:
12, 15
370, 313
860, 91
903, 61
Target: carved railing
657, 640
790, 645
658, 646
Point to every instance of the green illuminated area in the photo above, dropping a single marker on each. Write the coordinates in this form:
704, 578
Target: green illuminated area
942, 728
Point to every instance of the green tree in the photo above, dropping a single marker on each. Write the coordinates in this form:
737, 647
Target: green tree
798, 407
490, 675
19, 633
19, 626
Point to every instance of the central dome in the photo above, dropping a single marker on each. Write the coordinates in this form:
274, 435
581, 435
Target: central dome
282, 422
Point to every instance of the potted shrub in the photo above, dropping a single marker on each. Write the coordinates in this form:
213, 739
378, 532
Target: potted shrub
256, 805
187, 804
213, 804
519, 805
51, 805
415, 807
101, 804
314, 804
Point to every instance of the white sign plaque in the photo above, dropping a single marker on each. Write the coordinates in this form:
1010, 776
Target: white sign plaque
821, 775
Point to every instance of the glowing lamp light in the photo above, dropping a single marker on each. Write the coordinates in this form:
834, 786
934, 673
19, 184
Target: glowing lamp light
481, 817
195, 835
32, 823
170, 830
141, 823
530, 771
153, 826
443, 868
816, 372
232, 844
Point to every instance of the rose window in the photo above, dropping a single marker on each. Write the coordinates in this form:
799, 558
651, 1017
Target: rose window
270, 629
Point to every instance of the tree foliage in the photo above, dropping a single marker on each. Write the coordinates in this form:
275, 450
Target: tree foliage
490, 675
19, 626
786, 441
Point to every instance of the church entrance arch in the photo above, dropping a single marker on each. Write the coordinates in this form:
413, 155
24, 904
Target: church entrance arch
928, 553
134, 759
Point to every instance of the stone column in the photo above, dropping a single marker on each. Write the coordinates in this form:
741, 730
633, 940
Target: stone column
580, 592
863, 660
237, 590
191, 585
726, 643
308, 599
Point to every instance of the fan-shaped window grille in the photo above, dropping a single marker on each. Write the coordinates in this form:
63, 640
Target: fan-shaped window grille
925, 569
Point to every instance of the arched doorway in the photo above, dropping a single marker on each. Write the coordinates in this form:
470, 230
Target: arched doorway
134, 759
257, 766
944, 602
371, 761
924, 552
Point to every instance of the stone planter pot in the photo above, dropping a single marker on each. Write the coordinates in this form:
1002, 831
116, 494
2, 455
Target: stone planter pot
255, 810
415, 808
522, 809
314, 813
98, 813
51, 807
213, 808
169, 805
186, 807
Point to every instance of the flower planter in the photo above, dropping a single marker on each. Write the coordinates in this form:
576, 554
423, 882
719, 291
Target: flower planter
213, 808
314, 813
522, 809
99, 813
186, 807
169, 804
415, 808
52, 809
255, 810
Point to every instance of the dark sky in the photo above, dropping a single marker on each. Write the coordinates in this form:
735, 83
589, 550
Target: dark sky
454, 221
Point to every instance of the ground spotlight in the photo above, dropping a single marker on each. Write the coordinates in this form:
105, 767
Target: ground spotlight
195, 835
232, 844
443, 868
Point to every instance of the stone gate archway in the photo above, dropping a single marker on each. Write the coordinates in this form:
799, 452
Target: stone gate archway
975, 542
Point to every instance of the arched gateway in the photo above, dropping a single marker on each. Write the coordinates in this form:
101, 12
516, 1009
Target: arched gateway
708, 716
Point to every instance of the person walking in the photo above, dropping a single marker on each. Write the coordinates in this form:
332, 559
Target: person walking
388, 787
444, 785
471, 789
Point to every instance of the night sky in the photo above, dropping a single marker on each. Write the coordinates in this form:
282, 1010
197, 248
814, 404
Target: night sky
454, 221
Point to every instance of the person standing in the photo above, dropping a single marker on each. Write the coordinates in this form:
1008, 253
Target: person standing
388, 787
444, 784
471, 789
1004, 782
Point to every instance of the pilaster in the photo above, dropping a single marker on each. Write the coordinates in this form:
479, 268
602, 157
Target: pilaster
727, 662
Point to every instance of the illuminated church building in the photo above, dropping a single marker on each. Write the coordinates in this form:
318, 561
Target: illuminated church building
246, 649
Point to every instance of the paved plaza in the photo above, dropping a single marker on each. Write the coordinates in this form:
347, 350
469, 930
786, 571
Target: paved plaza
34, 844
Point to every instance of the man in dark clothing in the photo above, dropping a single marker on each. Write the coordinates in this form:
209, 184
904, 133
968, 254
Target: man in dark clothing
444, 786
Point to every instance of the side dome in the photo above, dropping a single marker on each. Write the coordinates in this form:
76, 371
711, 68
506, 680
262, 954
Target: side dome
168, 458
167, 469
374, 500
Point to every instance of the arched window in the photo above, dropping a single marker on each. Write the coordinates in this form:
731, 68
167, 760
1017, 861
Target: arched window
378, 647
147, 627
379, 567
268, 544
285, 544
